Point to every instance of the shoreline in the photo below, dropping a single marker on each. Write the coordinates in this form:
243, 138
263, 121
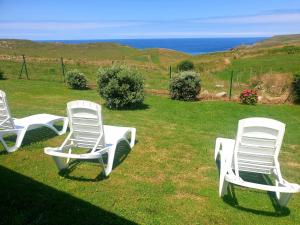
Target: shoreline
191, 46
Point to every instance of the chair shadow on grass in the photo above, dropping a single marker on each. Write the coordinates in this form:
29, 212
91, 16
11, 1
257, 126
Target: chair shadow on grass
32, 136
231, 199
26, 201
122, 151
136, 107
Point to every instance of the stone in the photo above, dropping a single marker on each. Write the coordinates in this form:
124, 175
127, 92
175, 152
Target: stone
204, 94
221, 94
219, 85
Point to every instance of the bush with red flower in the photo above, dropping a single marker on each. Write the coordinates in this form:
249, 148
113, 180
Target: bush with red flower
249, 97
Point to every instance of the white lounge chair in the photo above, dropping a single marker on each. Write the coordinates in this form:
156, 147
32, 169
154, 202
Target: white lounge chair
18, 127
88, 132
255, 150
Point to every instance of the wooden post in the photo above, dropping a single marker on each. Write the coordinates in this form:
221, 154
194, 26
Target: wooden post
24, 67
63, 68
170, 72
230, 90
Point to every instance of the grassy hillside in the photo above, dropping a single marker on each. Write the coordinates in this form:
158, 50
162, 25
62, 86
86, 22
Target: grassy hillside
93, 52
280, 54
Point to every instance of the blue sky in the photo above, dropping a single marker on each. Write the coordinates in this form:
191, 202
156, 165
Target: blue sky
115, 19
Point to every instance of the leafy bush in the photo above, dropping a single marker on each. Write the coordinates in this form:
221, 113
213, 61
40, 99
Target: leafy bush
249, 97
296, 88
120, 86
76, 80
2, 77
185, 65
185, 86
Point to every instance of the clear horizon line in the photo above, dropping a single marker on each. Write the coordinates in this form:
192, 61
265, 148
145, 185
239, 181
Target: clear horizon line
142, 38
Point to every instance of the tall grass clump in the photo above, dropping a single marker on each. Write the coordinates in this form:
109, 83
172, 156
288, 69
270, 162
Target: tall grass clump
76, 80
185, 86
120, 86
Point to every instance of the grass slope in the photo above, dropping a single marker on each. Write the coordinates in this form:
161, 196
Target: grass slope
169, 177
281, 56
87, 52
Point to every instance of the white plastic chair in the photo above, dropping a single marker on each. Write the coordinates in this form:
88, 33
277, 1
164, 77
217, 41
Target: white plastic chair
18, 127
88, 132
255, 150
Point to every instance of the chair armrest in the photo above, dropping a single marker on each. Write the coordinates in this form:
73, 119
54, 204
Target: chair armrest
223, 144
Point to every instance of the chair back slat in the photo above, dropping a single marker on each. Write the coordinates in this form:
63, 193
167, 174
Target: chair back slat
257, 145
6, 121
85, 123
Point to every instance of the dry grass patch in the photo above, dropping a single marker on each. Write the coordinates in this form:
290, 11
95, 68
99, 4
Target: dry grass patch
273, 84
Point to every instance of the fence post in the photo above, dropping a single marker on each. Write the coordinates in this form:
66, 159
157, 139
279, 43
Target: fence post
25, 67
63, 68
230, 90
170, 72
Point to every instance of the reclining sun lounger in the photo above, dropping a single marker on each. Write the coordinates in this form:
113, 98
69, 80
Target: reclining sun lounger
88, 132
18, 127
255, 150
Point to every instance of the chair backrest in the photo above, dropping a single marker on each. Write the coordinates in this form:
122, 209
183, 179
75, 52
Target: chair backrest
85, 122
257, 145
5, 113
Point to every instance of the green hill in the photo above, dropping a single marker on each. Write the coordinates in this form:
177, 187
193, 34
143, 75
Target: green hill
279, 54
88, 51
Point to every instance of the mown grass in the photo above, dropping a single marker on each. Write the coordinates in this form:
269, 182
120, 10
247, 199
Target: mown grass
169, 177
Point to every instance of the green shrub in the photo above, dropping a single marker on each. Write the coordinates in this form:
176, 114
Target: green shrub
76, 80
2, 77
185, 65
120, 86
296, 88
249, 97
185, 86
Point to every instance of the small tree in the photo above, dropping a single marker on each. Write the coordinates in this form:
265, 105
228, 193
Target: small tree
185, 86
296, 88
185, 65
120, 86
76, 80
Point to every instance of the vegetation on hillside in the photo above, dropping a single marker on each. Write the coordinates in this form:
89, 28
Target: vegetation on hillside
261, 59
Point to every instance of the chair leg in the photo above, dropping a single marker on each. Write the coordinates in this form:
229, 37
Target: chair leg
223, 184
63, 130
132, 141
102, 164
110, 160
60, 164
283, 198
20, 136
217, 148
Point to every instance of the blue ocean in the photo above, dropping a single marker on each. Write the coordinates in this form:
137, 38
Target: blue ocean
192, 46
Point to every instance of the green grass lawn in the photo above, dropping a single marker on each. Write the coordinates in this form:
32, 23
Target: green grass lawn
169, 177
